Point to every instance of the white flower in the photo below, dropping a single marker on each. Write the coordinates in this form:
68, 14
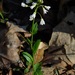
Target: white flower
42, 22
45, 11
47, 7
33, 5
32, 17
24, 5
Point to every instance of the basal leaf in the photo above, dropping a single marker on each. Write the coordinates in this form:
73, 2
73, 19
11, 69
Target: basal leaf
38, 73
26, 70
28, 57
37, 69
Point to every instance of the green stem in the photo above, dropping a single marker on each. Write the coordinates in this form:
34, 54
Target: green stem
33, 40
32, 36
32, 30
32, 43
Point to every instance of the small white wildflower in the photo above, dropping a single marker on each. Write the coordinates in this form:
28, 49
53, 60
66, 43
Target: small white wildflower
42, 22
33, 5
24, 5
45, 11
32, 16
47, 7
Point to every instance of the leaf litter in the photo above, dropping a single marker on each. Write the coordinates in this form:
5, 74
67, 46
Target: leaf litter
10, 44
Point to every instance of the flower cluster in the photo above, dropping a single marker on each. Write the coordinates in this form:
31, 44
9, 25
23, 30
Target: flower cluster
36, 5
45, 9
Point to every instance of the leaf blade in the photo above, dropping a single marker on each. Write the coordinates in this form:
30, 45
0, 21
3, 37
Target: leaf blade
28, 57
36, 45
34, 28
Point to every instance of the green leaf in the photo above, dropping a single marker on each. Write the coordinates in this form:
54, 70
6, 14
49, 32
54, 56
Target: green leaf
36, 45
26, 70
1, 15
34, 28
28, 40
28, 57
37, 66
37, 69
38, 73
27, 63
2, 21
6, 19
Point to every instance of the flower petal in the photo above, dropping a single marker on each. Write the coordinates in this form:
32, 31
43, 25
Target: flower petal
24, 5
47, 7
45, 11
33, 5
32, 16
42, 22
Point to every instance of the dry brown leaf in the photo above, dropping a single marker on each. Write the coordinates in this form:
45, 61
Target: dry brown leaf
70, 50
48, 70
40, 52
27, 34
14, 29
62, 64
10, 43
30, 73
10, 72
71, 72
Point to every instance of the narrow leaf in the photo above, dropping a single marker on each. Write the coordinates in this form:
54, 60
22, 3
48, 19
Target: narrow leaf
34, 28
26, 70
36, 45
28, 40
28, 57
1, 15
38, 73
37, 69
